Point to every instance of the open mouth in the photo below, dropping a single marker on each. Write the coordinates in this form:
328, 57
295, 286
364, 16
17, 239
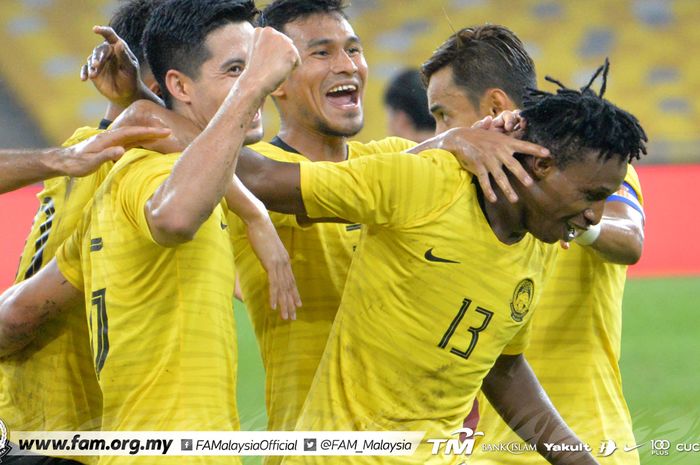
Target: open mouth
345, 96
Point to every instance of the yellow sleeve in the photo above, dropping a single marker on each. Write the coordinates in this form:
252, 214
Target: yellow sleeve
68, 255
520, 341
386, 145
137, 185
632, 179
387, 189
81, 134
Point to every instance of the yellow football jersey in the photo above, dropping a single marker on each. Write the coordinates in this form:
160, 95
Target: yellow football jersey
432, 299
161, 324
50, 384
574, 351
320, 256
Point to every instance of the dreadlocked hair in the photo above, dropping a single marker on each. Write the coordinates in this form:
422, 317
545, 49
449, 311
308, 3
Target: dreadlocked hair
571, 120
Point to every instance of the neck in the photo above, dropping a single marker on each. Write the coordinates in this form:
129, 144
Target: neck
314, 145
505, 218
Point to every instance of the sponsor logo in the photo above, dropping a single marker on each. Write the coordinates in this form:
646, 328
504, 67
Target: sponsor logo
631, 448
607, 448
455, 446
432, 258
660, 446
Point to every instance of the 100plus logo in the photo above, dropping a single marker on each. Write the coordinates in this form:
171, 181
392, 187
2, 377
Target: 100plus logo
455, 446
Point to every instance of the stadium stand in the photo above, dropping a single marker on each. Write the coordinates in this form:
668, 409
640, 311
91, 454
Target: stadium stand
648, 42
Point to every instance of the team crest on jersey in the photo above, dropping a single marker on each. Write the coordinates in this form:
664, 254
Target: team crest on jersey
522, 299
4, 441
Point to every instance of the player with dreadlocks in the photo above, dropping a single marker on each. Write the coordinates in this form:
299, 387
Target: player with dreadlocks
578, 323
448, 278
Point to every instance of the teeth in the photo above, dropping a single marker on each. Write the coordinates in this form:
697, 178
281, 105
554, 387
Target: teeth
345, 88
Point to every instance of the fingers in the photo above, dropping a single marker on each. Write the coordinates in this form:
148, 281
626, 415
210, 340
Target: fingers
130, 136
482, 175
97, 60
528, 148
283, 290
484, 123
111, 153
517, 169
496, 170
107, 32
564, 245
84, 73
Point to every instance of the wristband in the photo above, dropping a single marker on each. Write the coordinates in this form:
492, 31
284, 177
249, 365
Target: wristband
589, 236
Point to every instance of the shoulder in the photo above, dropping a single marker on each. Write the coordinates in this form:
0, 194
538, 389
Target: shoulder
273, 152
386, 145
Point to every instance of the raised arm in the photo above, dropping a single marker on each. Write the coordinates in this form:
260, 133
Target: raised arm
619, 237
115, 72
25, 307
514, 392
204, 172
19, 168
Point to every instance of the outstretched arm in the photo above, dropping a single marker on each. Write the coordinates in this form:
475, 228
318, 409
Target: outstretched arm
484, 151
25, 307
513, 390
19, 168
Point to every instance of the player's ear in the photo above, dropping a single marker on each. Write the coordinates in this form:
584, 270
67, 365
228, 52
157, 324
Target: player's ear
179, 85
495, 101
281, 91
540, 167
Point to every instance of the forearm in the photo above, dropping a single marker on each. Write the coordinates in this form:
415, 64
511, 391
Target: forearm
513, 390
276, 184
117, 107
27, 306
243, 203
620, 241
19, 168
203, 173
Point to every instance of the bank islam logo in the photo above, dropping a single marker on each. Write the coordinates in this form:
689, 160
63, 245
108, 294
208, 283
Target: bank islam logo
454, 446
4, 441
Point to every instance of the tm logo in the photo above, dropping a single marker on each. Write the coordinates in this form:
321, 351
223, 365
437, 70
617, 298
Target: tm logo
455, 446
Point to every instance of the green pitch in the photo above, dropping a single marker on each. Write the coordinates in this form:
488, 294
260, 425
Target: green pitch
660, 368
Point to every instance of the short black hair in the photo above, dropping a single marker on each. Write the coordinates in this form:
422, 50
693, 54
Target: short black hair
482, 58
569, 120
406, 92
129, 22
282, 12
175, 35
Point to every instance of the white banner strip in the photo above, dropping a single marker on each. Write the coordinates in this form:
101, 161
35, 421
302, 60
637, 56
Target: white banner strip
184, 443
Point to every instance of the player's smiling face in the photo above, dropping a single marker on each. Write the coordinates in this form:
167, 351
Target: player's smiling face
449, 104
228, 47
324, 93
571, 198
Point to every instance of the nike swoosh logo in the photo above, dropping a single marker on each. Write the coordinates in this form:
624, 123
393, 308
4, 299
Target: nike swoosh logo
223, 226
432, 258
629, 449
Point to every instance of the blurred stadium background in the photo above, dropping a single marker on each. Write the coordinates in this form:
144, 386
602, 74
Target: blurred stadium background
655, 74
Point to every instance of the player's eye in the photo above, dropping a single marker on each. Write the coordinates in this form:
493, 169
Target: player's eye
355, 50
235, 69
321, 53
